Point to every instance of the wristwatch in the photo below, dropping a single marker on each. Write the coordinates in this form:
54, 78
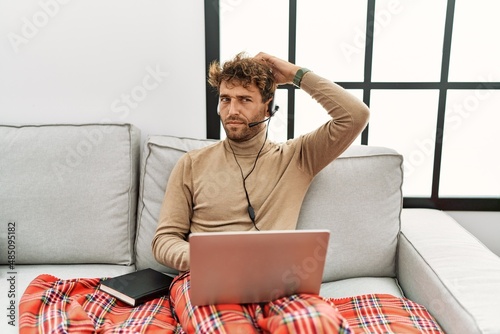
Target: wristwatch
298, 76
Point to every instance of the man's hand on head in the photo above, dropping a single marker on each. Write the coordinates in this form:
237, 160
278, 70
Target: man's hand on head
283, 71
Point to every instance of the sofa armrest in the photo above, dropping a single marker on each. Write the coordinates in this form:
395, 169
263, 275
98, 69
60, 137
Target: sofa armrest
446, 269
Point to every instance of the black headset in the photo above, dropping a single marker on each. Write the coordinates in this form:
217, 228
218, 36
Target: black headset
272, 108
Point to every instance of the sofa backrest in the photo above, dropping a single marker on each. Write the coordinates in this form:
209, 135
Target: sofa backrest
357, 197
159, 156
69, 192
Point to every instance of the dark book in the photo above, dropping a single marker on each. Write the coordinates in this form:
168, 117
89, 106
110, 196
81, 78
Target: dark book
137, 287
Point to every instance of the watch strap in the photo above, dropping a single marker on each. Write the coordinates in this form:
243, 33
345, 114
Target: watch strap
298, 76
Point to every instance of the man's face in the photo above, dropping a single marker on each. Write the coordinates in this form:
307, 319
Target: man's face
239, 106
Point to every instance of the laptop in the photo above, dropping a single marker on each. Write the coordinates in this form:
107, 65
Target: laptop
255, 266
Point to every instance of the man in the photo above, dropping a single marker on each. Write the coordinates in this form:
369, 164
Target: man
246, 182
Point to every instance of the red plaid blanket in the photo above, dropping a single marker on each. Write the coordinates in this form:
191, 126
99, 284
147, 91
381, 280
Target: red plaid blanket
78, 306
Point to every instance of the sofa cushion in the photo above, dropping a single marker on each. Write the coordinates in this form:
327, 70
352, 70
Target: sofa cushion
159, 157
358, 286
358, 197
69, 192
27, 273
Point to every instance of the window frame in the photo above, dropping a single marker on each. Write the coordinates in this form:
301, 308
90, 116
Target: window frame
212, 52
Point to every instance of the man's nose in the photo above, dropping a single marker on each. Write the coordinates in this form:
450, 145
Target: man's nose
233, 108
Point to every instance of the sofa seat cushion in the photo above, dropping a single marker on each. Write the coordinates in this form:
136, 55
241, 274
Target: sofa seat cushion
25, 274
68, 193
361, 286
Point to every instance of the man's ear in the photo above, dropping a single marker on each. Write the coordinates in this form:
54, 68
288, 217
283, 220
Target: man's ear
268, 114
271, 108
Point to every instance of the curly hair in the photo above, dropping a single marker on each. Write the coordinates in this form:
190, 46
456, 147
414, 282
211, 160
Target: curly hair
243, 70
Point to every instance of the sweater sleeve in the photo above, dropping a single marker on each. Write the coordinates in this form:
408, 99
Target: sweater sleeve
169, 244
349, 117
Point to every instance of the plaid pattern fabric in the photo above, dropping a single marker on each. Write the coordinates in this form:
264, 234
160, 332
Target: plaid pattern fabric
51, 305
78, 306
305, 314
293, 314
385, 314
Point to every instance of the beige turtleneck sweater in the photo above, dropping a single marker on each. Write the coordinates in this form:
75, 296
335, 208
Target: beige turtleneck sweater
205, 189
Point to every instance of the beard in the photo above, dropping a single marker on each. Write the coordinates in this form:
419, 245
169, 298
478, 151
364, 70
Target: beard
240, 131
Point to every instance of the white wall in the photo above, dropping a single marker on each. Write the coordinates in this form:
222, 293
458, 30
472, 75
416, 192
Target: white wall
132, 61
483, 225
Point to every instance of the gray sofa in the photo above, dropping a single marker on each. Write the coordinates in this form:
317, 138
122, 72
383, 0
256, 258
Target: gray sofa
83, 200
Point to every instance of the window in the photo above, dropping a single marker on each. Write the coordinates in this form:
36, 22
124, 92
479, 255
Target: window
405, 120
429, 76
331, 37
470, 162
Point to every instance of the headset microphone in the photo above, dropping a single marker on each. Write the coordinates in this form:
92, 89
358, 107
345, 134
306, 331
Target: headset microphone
274, 110
251, 125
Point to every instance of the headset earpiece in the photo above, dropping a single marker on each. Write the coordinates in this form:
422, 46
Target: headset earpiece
272, 108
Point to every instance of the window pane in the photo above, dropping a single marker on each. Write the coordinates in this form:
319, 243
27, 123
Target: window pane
470, 163
243, 27
331, 38
475, 51
405, 120
309, 115
408, 41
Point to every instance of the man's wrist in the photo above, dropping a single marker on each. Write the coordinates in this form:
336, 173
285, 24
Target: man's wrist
299, 75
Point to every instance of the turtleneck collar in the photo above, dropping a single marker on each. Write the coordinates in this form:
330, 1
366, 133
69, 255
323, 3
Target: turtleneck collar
249, 147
